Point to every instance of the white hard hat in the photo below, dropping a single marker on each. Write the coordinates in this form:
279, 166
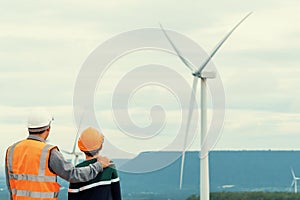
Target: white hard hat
39, 119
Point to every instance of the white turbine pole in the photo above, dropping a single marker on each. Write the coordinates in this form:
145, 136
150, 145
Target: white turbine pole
204, 169
295, 180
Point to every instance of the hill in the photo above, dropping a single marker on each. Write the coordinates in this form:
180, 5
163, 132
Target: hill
234, 171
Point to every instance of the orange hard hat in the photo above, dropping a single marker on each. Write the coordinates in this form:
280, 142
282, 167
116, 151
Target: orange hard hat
90, 139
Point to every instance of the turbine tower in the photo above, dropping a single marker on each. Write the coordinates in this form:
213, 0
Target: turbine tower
203, 74
295, 179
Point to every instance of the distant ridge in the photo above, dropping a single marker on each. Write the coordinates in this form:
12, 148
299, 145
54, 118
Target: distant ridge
244, 170
150, 161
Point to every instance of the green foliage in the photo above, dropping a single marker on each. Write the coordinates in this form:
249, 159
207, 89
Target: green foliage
193, 197
250, 196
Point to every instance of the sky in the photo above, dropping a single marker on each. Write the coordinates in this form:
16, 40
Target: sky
43, 46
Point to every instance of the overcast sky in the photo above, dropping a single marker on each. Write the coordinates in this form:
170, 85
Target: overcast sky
44, 44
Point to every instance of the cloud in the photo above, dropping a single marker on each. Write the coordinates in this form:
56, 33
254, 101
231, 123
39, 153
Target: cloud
249, 129
36, 88
43, 45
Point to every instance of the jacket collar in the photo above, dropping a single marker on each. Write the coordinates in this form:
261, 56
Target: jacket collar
35, 137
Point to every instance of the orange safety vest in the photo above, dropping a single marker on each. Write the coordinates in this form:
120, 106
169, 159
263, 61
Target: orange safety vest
28, 172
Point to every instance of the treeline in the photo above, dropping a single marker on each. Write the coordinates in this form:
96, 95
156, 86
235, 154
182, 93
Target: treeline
250, 196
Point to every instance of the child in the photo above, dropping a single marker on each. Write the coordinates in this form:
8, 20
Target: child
106, 185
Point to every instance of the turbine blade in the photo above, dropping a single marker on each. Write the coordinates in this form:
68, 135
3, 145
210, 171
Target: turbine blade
220, 44
186, 62
66, 152
190, 114
293, 173
293, 183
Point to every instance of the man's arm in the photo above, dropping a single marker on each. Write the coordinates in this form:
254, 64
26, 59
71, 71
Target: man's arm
67, 171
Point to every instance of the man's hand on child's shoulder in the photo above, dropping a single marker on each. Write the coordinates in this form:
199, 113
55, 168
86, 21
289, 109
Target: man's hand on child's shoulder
104, 161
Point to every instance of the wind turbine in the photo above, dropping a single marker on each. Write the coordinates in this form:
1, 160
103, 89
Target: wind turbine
74, 152
295, 179
203, 75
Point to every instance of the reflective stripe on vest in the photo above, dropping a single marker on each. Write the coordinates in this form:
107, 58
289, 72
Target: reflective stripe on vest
25, 193
43, 160
40, 177
10, 156
29, 177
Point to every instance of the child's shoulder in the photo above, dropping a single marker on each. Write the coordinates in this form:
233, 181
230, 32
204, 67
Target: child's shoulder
86, 163
112, 166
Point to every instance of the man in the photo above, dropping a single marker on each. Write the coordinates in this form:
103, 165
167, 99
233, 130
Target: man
106, 185
32, 165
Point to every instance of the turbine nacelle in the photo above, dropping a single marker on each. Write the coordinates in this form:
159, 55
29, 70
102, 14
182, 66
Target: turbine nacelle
75, 154
205, 74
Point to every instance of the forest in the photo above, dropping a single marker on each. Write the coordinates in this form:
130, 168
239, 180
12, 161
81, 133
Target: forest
250, 196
